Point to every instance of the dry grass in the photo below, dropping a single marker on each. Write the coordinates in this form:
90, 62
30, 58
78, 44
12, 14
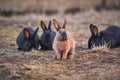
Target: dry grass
102, 48
98, 64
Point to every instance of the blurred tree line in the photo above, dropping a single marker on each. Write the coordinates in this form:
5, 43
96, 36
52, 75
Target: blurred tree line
110, 4
50, 7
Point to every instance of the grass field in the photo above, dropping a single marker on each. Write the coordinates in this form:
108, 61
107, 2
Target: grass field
88, 64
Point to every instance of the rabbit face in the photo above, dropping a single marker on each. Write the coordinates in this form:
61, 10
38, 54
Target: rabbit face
31, 38
32, 43
47, 36
62, 35
95, 41
96, 38
61, 32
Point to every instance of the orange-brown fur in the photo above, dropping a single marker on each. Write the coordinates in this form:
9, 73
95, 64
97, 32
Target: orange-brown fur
64, 49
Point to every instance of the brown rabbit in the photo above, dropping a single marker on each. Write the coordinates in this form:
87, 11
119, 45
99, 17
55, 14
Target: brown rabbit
63, 45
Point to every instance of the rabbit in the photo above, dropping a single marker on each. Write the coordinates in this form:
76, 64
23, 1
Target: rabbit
110, 36
47, 37
28, 39
63, 45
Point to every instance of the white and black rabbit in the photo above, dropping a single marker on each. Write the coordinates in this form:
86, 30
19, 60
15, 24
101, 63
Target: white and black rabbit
47, 36
28, 39
110, 36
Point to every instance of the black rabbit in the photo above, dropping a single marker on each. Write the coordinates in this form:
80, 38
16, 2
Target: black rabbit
47, 37
28, 39
110, 36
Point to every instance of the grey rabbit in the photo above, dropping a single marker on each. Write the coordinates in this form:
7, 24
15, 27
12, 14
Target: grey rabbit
47, 36
110, 36
28, 39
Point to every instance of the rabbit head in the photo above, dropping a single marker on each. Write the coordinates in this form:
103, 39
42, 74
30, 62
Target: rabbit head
47, 32
96, 38
30, 38
61, 32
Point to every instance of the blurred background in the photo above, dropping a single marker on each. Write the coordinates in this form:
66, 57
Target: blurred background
79, 14
17, 14
51, 7
40, 65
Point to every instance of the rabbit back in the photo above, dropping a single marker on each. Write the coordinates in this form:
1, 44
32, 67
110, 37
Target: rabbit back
24, 44
110, 36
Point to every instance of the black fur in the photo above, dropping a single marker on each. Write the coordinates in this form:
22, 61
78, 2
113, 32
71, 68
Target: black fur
47, 37
27, 43
109, 36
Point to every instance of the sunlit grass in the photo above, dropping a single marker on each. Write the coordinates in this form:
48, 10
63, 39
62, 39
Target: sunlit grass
104, 48
89, 64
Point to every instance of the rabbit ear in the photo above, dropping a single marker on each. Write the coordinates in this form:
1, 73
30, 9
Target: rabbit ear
35, 32
43, 26
49, 25
64, 25
94, 29
56, 25
26, 33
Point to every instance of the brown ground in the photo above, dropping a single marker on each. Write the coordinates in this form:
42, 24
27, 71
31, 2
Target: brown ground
41, 65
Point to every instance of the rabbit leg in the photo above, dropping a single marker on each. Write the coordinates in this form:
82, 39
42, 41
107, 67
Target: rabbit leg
65, 53
58, 55
71, 53
72, 56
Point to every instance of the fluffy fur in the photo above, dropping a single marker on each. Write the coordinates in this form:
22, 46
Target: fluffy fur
63, 45
110, 36
47, 36
28, 39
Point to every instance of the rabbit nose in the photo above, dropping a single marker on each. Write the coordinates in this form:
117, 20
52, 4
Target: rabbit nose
64, 36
